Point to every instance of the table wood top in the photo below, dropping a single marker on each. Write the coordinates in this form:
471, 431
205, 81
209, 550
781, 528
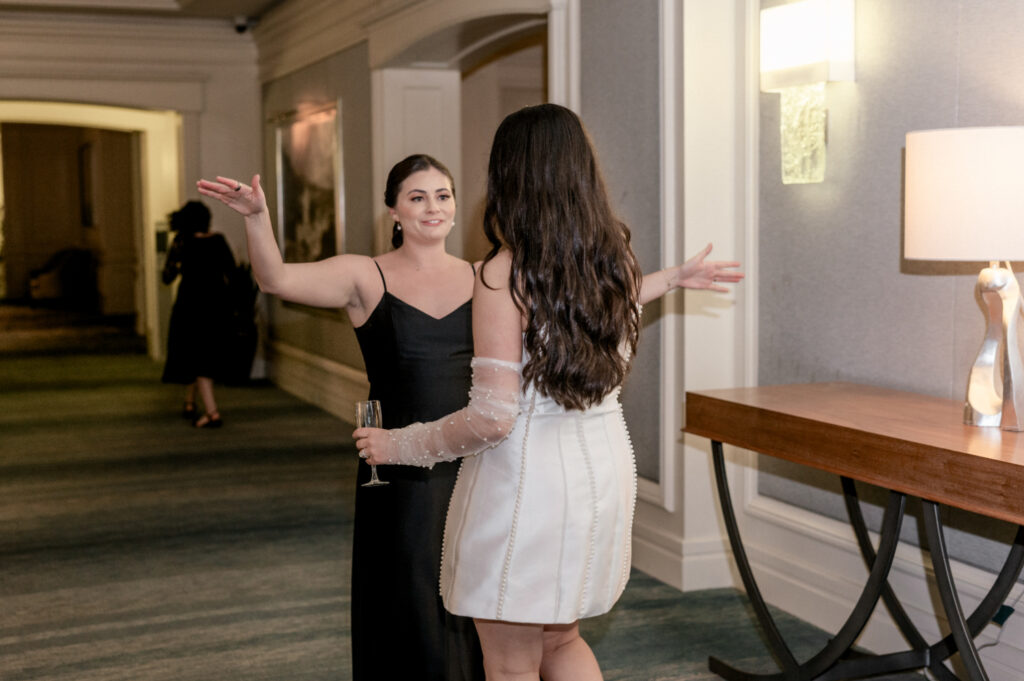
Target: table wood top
898, 440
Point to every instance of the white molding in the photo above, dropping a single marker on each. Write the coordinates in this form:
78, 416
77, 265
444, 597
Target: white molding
564, 53
111, 39
483, 43
688, 565
663, 492
425, 20
298, 33
144, 95
750, 291
383, 9
153, 5
414, 111
330, 385
134, 62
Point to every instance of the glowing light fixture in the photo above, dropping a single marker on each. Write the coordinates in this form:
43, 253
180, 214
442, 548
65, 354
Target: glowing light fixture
804, 45
964, 201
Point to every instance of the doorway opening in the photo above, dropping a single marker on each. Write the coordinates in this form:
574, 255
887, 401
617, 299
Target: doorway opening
86, 192
446, 94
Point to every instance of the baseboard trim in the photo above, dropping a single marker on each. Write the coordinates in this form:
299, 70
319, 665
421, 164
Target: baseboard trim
688, 565
330, 385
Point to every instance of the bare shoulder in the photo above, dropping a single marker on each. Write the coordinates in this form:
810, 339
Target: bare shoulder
365, 280
494, 274
359, 267
497, 322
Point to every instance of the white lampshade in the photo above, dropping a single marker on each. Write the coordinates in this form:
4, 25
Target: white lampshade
964, 194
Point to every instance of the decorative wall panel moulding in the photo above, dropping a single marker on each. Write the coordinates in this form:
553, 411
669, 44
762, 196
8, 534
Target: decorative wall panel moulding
66, 44
104, 29
88, 5
382, 9
302, 32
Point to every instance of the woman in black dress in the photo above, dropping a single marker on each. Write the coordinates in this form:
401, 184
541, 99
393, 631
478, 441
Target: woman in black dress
197, 341
411, 311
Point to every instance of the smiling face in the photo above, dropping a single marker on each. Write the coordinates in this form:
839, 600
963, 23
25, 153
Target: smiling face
425, 206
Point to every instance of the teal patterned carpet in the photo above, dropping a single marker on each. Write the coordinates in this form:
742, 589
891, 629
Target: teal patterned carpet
133, 547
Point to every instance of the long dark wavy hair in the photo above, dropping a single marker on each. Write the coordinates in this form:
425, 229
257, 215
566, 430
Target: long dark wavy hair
574, 275
399, 172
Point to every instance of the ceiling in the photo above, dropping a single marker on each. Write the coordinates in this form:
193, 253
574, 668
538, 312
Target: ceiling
234, 10
465, 46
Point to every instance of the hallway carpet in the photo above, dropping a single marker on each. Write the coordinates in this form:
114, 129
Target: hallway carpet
134, 547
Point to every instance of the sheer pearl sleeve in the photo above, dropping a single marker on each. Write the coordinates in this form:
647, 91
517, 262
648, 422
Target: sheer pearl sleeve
487, 419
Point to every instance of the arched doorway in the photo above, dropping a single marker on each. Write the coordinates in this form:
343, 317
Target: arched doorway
154, 192
446, 93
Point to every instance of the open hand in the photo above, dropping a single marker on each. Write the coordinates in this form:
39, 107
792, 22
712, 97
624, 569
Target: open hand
246, 200
699, 273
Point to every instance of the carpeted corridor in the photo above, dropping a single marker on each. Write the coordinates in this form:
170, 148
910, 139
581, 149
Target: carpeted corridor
133, 547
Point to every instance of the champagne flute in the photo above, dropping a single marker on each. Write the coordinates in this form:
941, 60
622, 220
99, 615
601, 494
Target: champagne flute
368, 416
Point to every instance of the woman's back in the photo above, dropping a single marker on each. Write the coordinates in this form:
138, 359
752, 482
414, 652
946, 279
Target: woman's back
539, 527
572, 273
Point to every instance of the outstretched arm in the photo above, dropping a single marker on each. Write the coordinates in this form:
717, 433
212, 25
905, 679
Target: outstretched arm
333, 282
696, 273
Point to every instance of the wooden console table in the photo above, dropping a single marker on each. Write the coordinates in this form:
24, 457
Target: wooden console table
906, 443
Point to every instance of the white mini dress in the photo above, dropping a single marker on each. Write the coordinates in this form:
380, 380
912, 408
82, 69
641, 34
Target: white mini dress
539, 527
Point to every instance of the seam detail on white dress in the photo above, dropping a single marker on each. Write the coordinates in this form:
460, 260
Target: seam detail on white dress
592, 535
447, 581
556, 611
515, 513
628, 548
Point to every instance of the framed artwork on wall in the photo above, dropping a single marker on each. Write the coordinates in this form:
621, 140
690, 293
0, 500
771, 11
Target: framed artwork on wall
310, 191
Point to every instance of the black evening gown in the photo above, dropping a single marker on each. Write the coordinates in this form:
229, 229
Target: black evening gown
198, 339
419, 369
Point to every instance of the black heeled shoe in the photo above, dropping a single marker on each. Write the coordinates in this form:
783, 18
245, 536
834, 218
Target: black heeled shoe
188, 411
210, 419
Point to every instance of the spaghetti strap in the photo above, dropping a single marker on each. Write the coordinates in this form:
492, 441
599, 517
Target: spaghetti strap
383, 281
471, 266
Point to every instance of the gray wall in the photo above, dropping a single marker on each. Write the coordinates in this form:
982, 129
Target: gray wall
620, 108
344, 76
836, 300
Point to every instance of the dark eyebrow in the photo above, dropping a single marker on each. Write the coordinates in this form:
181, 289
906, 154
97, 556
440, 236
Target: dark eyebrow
424, 191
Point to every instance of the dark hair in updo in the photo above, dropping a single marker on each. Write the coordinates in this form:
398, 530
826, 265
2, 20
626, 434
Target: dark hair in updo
400, 171
192, 218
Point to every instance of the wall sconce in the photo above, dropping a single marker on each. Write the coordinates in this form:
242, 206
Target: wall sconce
964, 201
804, 45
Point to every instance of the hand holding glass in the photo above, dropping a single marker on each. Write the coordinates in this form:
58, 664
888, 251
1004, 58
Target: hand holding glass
368, 416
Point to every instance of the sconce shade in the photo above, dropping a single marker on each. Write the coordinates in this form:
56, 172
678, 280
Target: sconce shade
964, 194
807, 42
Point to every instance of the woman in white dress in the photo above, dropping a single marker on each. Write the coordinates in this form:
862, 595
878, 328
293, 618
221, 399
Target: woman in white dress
538, 529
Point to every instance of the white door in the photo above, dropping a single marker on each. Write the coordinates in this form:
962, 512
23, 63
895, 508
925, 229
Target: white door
414, 111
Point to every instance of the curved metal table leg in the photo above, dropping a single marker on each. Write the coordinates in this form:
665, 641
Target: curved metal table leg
947, 592
867, 551
989, 605
844, 639
778, 647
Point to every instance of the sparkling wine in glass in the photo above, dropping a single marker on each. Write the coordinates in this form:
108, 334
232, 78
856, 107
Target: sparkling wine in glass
368, 416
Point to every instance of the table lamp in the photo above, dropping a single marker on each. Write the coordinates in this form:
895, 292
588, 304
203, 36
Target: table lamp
964, 201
